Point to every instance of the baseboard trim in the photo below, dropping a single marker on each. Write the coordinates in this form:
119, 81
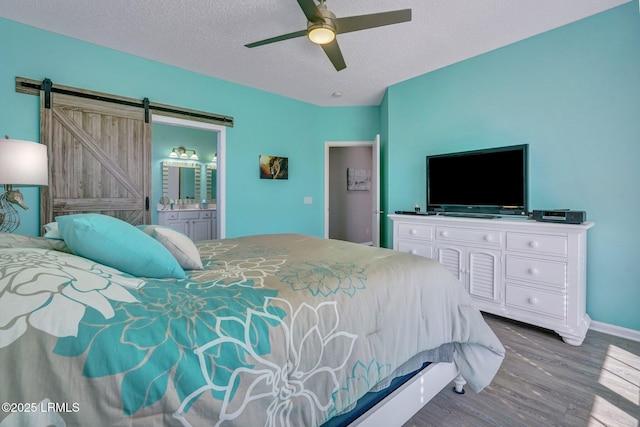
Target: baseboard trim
617, 331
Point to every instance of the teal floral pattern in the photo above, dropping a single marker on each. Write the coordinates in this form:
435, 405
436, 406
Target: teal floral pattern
363, 377
156, 339
324, 278
51, 291
212, 249
250, 272
285, 386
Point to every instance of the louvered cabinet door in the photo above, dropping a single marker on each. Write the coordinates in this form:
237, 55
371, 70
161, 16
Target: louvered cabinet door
452, 257
477, 269
483, 273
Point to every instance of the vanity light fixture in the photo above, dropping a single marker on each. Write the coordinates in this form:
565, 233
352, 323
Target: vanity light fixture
182, 153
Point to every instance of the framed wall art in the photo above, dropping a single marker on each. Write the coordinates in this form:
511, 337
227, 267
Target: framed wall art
273, 167
358, 179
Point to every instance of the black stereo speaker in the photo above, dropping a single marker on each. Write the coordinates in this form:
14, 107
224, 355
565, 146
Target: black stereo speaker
562, 216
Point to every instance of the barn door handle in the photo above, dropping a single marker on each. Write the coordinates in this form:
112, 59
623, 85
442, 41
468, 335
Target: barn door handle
146, 203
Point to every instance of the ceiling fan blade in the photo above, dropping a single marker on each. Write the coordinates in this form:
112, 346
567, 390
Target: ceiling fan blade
310, 10
278, 38
363, 22
335, 55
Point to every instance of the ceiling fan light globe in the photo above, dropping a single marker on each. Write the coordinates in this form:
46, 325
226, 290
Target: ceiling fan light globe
321, 34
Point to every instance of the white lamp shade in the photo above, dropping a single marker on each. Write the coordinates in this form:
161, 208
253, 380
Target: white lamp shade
23, 163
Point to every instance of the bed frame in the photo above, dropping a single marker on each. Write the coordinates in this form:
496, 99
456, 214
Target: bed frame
405, 401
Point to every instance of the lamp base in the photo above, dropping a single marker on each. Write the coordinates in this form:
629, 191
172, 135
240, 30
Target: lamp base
9, 218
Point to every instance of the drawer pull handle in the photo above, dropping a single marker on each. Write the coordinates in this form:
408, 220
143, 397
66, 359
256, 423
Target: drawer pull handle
533, 271
488, 238
444, 233
413, 232
533, 244
413, 252
532, 300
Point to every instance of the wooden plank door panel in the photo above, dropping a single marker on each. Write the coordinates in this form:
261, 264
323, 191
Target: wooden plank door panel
100, 159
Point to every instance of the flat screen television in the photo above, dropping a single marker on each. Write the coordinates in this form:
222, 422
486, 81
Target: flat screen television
492, 181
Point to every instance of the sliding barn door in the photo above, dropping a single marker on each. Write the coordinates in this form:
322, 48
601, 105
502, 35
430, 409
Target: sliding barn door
99, 159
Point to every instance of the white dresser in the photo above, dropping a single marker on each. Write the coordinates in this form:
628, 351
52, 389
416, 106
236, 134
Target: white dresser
534, 272
198, 224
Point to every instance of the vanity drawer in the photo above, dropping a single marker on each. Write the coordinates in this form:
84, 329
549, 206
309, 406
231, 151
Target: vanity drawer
205, 214
538, 270
415, 231
537, 243
189, 215
170, 214
547, 303
415, 248
486, 237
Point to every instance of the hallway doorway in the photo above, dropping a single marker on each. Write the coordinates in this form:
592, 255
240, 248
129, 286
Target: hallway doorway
352, 191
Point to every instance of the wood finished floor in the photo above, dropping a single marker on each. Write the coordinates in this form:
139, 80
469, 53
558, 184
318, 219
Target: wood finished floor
545, 382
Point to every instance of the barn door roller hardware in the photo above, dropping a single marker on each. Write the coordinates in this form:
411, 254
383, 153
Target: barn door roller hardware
33, 87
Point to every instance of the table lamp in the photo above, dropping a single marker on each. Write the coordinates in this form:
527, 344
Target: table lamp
22, 163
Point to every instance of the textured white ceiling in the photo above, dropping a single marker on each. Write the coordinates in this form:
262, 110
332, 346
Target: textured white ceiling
208, 37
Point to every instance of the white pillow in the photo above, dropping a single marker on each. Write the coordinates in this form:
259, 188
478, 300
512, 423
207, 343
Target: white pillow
53, 236
52, 231
181, 247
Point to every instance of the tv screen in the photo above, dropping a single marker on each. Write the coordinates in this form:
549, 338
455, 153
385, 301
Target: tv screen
490, 181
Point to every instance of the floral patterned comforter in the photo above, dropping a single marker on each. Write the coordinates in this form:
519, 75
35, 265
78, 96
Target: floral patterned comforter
276, 330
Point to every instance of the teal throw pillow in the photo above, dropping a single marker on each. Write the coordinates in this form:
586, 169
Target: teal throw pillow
118, 244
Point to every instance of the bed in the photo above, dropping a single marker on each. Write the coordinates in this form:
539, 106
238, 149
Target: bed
99, 327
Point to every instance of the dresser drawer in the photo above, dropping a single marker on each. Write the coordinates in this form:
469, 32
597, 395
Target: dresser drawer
415, 248
547, 303
537, 270
537, 243
486, 237
415, 231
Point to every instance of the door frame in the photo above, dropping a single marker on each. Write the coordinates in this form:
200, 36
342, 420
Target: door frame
375, 180
221, 183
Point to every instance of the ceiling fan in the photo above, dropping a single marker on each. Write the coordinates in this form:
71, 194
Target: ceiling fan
323, 26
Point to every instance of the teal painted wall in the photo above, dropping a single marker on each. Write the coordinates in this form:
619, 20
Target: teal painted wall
573, 94
264, 124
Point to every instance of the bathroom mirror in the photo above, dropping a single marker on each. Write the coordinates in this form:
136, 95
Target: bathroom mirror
181, 181
212, 175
